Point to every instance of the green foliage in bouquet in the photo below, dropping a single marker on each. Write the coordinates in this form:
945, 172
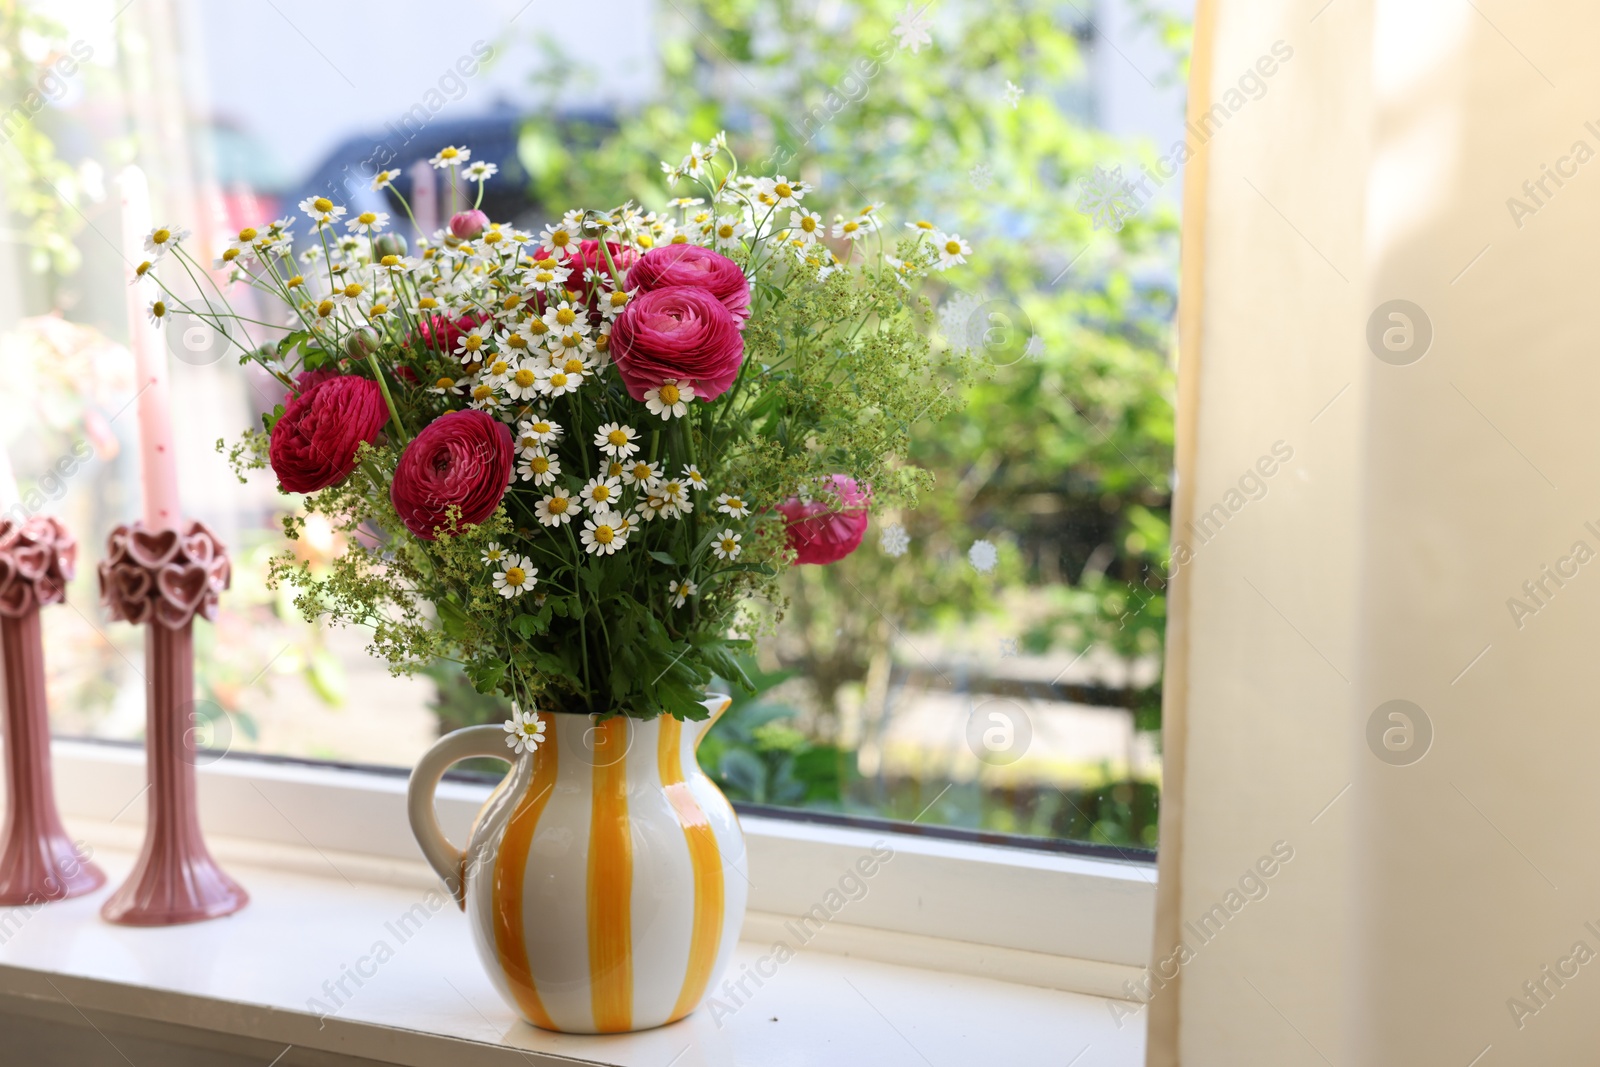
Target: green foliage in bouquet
577, 462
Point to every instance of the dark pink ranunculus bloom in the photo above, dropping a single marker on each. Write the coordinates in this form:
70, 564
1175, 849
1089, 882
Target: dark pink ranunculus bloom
314, 444
831, 526
682, 334
461, 459
687, 264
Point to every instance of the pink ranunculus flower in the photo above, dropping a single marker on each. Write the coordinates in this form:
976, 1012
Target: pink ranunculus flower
687, 264
827, 529
314, 444
468, 224
680, 333
461, 459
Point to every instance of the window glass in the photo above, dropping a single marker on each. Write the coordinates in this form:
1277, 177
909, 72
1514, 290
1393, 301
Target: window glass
990, 660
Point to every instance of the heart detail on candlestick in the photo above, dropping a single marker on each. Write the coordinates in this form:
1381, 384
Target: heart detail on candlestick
117, 545
170, 615
16, 599
220, 573
152, 549
198, 544
32, 560
7, 571
184, 585
130, 582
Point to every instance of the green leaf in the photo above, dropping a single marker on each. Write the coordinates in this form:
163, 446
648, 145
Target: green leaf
662, 557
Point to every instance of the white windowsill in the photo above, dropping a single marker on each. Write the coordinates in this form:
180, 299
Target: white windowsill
251, 976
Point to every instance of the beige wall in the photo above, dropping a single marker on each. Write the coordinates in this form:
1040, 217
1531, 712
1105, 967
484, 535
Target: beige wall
1376, 167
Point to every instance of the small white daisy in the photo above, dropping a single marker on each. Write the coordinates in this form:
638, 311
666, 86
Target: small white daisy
557, 509
729, 231
522, 380
535, 432
783, 192
524, 732
641, 473
669, 399
732, 506
727, 546
983, 556
485, 397
450, 156
519, 576
692, 475
952, 250
540, 468
601, 492
159, 240
368, 222
561, 241
480, 171
681, 591
469, 346
494, 554
383, 179
806, 226
156, 312
323, 212
615, 439
553, 381
604, 532
894, 540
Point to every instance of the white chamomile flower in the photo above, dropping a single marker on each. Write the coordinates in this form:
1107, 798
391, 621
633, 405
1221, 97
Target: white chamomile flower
524, 732
952, 249
469, 346
514, 339
681, 591
485, 397
540, 468
615, 439
729, 231
368, 222
159, 240
450, 156
494, 554
561, 241
669, 399
142, 272
522, 380
349, 293
983, 556
785, 193
726, 546
641, 473
805, 226
156, 312
556, 509
601, 492
732, 506
480, 171
449, 386
564, 318
497, 371
651, 505
614, 302
323, 212
519, 576
383, 179
692, 475
533, 433
849, 229
674, 495
553, 381
604, 532
894, 540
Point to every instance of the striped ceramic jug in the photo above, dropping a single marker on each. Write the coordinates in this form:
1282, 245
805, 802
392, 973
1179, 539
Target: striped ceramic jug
604, 879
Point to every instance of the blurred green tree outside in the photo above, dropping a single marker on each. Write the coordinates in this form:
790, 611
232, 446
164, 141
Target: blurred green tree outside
1063, 454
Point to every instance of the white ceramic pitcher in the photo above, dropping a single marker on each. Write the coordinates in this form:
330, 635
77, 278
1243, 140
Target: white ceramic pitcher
604, 879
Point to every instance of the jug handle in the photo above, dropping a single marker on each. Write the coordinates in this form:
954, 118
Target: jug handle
445, 858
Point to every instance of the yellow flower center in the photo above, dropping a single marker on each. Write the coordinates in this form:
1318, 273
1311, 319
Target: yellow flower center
378, 309
446, 383
482, 392
492, 237
808, 224
953, 247
547, 263
325, 308
390, 261
561, 238
645, 241
296, 281
538, 326
851, 227
516, 575
558, 380
566, 316
353, 290
516, 340
158, 309
679, 239
923, 225
573, 366
161, 237
539, 464
728, 544
784, 190
524, 377
322, 203
366, 218
427, 303
557, 505
735, 504
669, 394
247, 234
618, 299
499, 366
725, 231
601, 494
229, 255
142, 269
613, 469
541, 427
605, 535
571, 340
617, 437
472, 342
448, 153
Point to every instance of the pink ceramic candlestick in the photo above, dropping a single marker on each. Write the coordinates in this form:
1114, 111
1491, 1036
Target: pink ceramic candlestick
158, 466
38, 862
165, 578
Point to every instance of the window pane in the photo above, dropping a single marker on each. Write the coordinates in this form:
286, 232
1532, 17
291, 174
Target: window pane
990, 659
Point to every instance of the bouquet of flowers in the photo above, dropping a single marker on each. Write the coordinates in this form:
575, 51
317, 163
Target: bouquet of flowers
577, 461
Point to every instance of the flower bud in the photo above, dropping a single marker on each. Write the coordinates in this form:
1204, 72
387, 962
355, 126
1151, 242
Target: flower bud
361, 343
466, 225
390, 244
